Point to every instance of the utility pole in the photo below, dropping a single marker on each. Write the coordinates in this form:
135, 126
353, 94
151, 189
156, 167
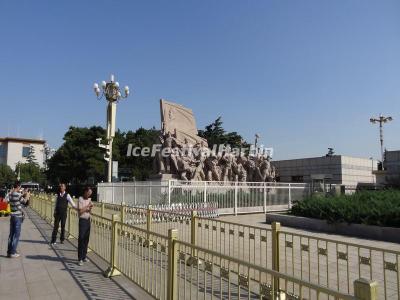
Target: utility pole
111, 92
381, 120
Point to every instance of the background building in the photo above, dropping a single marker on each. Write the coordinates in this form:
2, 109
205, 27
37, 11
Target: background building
14, 150
392, 168
336, 169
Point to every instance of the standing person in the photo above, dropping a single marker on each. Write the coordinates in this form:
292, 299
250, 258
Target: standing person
16, 219
60, 213
27, 196
85, 206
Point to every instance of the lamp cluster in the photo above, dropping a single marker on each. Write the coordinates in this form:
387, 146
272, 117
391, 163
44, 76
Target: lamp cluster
381, 119
110, 90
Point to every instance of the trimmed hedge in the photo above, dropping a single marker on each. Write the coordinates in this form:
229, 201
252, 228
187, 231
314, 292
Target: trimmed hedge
380, 208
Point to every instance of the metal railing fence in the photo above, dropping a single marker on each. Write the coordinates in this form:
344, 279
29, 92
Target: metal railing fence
229, 197
169, 267
214, 275
306, 260
327, 262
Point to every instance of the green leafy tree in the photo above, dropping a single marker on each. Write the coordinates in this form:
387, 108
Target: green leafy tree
31, 158
7, 175
31, 172
139, 167
79, 159
215, 134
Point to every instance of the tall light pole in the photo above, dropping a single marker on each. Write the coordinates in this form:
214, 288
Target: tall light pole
257, 136
19, 172
112, 93
381, 120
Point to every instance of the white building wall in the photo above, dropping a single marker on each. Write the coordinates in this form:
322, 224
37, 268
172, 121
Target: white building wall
357, 170
14, 153
346, 170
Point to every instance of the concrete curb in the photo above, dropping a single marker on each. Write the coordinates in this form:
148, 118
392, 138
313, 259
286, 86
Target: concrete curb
387, 234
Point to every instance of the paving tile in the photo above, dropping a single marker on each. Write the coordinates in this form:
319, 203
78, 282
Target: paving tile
15, 295
44, 272
41, 288
54, 296
6, 284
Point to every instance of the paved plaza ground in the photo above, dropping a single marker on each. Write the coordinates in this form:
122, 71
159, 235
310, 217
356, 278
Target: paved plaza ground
44, 272
328, 269
259, 221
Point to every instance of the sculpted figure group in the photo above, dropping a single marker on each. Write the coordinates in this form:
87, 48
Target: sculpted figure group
197, 162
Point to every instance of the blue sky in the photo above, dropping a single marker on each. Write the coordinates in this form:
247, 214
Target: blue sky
306, 75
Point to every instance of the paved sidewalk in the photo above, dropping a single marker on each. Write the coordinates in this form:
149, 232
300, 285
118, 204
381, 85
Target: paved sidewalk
44, 272
259, 221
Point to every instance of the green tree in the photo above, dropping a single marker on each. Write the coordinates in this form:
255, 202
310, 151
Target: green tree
215, 134
79, 159
31, 158
31, 172
7, 175
140, 167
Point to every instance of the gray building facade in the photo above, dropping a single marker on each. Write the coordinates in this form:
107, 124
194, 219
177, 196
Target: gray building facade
335, 169
392, 167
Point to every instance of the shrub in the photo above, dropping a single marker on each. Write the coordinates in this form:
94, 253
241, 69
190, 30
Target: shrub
380, 208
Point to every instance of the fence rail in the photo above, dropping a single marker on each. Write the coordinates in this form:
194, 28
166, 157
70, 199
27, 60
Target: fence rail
327, 262
229, 197
179, 264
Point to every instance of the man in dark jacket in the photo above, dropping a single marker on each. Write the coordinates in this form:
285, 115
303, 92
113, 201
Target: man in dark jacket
60, 213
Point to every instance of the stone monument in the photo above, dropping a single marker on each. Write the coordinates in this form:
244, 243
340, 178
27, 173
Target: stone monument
185, 155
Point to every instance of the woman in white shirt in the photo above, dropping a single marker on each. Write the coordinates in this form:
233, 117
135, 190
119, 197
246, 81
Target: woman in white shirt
84, 208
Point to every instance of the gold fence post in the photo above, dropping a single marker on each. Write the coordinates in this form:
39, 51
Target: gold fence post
172, 280
365, 289
112, 270
122, 212
69, 224
276, 227
193, 228
46, 208
41, 207
52, 207
148, 219
102, 209
193, 233
148, 243
193, 260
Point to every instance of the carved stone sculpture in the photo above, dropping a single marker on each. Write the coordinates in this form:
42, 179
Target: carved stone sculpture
186, 156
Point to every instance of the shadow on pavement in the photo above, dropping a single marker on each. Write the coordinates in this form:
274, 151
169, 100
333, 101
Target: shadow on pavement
88, 277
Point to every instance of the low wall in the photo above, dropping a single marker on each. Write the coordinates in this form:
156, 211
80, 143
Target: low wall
387, 234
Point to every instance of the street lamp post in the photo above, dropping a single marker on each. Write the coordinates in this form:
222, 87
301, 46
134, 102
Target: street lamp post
381, 120
19, 171
112, 93
257, 136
